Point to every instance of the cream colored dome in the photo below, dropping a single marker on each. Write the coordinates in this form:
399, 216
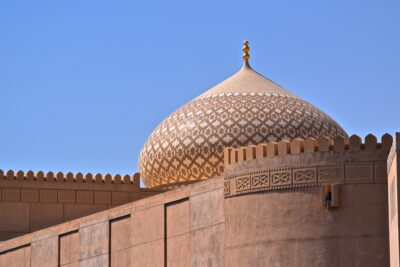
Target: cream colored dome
246, 109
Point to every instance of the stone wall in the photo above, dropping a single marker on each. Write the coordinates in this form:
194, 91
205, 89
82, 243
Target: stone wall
184, 227
30, 202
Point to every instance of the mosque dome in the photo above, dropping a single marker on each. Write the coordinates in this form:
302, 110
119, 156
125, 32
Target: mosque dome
246, 109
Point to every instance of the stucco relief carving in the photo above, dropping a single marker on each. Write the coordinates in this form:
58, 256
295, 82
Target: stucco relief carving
243, 184
380, 175
281, 177
226, 187
356, 172
260, 181
304, 176
331, 173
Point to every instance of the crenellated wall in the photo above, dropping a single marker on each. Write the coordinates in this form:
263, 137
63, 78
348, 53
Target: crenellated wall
301, 163
272, 213
32, 201
275, 203
183, 227
297, 146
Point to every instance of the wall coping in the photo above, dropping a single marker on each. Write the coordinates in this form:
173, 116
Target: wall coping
309, 145
68, 180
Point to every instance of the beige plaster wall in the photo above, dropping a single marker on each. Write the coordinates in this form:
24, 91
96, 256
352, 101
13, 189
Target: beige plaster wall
28, 205
196, 226
184, 227
274, 209
291, 228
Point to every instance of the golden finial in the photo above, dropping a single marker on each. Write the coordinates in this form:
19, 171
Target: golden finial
246, 50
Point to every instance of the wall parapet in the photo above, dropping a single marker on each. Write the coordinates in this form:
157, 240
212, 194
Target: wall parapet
286, 165
298, 146
67, 180
30, 202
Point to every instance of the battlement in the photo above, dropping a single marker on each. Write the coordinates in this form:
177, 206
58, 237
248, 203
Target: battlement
308, 163
69, 177
298, 146
33, 201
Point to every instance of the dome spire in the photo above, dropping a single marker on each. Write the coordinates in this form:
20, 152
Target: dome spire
246, 55
246, 50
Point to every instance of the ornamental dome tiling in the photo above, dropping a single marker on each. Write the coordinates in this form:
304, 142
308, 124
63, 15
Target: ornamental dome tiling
246, 109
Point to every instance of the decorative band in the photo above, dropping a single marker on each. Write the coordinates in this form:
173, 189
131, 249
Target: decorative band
305, 176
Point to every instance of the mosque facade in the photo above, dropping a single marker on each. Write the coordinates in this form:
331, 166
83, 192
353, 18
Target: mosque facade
246, 174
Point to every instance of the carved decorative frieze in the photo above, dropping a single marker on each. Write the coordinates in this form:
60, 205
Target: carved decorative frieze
380, 175
243, 184
304, 176
331, 173
360, 172
281, 177
260, 181
226, 187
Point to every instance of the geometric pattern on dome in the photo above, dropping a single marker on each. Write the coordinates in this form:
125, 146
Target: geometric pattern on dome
188, 145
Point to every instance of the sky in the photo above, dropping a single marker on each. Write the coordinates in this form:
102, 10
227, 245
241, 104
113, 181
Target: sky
84, 83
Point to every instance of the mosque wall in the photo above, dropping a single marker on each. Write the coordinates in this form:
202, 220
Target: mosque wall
306, 163
326, 207
291, 227
183, 227
30, 202
286, 217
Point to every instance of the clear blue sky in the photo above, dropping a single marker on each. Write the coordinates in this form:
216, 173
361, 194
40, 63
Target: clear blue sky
84, 83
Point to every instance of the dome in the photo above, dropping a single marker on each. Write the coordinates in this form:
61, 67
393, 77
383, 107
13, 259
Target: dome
246, 109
